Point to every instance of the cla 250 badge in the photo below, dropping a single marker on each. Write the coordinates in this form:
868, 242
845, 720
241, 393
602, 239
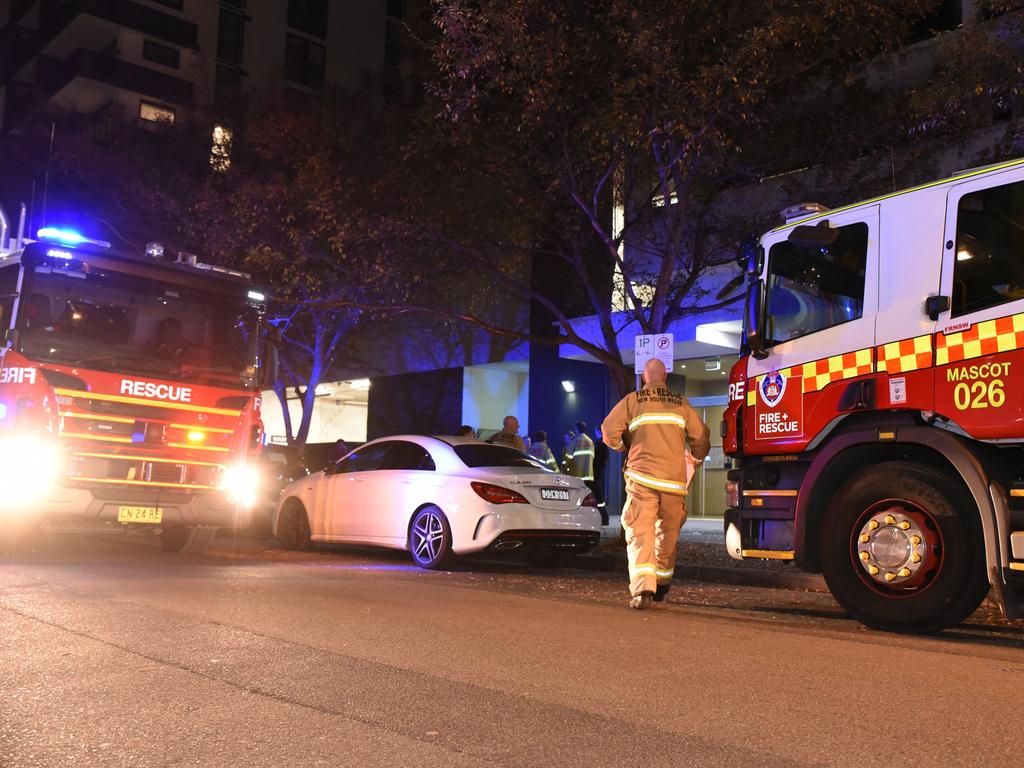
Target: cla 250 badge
159, 391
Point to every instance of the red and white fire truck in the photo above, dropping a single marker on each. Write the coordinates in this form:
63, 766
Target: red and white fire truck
129, 388
876, 417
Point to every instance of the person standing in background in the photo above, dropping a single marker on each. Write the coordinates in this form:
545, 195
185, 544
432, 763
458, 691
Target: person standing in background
509, 434
582, 450
539, 450
568, 466
600, 465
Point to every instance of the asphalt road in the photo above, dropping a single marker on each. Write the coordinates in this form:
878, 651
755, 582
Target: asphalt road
114, 653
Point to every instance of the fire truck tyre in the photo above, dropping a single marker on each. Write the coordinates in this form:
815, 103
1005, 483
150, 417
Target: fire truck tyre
182, 539
902, 549
430, 539
293, 526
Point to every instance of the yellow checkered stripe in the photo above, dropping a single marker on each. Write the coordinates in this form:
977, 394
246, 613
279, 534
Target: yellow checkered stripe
818, 374
905, 355
1003, 334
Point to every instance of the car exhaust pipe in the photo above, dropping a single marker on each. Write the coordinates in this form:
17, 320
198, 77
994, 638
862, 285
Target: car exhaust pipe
508, 545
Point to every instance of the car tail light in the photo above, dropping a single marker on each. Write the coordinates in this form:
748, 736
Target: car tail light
732, 494
498, 495
590, 501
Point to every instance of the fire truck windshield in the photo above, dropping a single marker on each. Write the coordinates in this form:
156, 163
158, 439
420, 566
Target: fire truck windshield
112, 321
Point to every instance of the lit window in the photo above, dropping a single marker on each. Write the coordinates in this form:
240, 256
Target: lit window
220, 151
154, 113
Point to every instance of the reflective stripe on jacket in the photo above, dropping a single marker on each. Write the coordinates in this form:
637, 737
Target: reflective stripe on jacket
657, 428
582, 451
543, 454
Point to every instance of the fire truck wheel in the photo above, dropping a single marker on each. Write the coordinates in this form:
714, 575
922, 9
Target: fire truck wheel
293, 526
902, 549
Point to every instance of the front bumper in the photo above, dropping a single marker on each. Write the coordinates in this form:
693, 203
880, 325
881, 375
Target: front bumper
86, 504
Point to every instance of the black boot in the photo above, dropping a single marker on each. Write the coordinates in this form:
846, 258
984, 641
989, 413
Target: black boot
660, 592
642, 601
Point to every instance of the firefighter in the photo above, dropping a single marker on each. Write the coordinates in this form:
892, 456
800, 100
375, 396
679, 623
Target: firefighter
509, 434
664, 439
540, 450
582, 451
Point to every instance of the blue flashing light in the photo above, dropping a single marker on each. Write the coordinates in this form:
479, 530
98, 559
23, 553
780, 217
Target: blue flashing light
68, 237
65, 236
57, 253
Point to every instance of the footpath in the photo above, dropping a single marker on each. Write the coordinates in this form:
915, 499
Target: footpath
702, 557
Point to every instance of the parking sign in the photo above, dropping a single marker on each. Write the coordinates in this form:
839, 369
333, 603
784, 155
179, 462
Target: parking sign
653, 345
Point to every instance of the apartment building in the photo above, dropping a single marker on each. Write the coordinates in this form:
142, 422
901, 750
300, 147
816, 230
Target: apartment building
157, 58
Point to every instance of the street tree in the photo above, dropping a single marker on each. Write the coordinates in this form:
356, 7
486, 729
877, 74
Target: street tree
603, 136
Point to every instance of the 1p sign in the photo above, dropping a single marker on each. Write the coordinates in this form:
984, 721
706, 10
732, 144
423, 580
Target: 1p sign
653, 345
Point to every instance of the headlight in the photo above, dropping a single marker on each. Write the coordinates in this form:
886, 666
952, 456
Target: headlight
29, 467
241, 483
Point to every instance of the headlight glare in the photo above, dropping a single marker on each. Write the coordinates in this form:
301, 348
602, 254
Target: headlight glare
241, 483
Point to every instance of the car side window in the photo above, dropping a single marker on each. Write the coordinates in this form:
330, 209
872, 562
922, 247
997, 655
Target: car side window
364, 459
406, 455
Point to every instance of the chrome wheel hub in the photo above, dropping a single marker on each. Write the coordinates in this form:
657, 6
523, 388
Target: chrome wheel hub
894, 548
427, 537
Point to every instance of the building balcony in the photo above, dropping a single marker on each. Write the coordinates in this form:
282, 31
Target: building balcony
52, 75
20, 44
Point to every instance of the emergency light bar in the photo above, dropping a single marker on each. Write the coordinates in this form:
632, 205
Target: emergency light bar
68, 237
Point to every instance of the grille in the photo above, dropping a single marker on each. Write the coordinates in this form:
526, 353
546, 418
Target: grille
161, 472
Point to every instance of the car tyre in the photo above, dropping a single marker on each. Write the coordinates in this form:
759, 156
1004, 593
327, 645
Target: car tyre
880, 519
293, 526
430, 539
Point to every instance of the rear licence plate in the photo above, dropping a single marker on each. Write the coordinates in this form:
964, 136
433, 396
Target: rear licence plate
554, 494
139, 515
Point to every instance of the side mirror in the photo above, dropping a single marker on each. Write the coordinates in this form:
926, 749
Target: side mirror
753, 314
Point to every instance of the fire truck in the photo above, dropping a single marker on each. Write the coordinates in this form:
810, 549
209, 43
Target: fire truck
129, 388
876, 415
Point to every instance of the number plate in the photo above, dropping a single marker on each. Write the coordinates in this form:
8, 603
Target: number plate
554, 494
140, 515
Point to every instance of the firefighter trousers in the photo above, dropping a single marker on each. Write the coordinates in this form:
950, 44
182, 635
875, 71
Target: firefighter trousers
652, 520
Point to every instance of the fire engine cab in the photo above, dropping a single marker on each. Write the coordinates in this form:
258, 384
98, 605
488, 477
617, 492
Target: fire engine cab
876, 416
129, 388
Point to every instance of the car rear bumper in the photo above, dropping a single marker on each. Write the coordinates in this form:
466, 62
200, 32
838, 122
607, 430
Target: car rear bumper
569, 541
101, 505
514, 526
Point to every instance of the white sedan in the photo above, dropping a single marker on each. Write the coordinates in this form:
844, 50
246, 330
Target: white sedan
437, 497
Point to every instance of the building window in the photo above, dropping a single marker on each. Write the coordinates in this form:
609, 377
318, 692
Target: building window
220, 150
304, 62
229, 36
161, 54
175, 4
309, 16
154, 113
396, 9
228, 82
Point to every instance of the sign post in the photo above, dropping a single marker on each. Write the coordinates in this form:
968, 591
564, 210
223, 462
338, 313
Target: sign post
657, 346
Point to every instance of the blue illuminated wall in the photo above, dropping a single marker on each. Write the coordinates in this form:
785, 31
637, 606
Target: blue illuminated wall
551, 407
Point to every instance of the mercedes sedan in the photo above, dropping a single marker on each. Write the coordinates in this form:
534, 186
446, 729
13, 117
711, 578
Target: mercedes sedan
438, 497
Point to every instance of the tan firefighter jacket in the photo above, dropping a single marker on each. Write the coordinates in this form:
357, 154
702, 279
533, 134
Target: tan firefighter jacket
542, 453
654, 425
581, 449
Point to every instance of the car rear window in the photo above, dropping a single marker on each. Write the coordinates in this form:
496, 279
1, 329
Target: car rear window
496, 456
